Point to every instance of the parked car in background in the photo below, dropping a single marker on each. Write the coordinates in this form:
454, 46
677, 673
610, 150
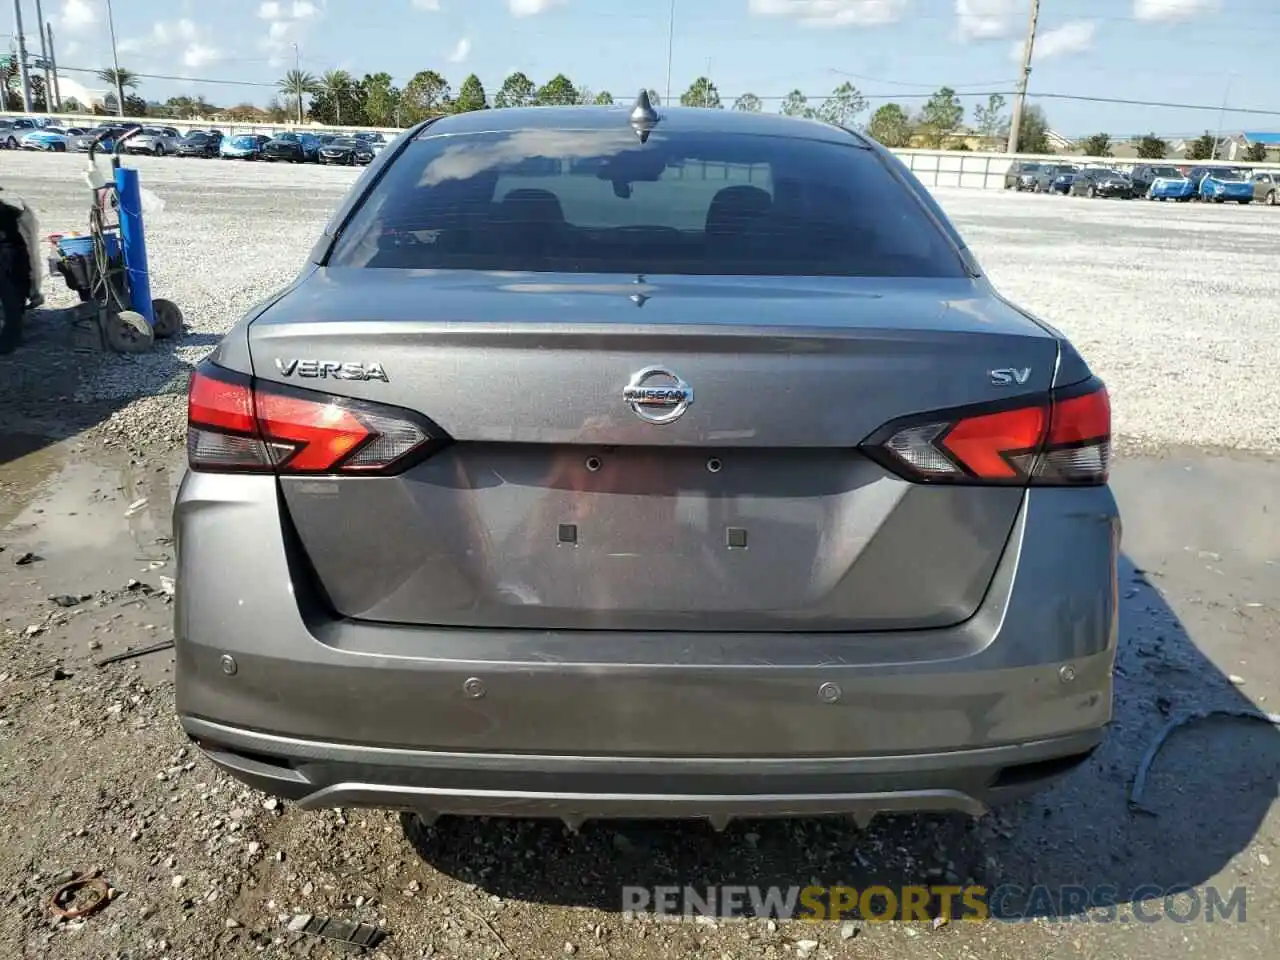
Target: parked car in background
13, 129
156, 141
244, 146
293, 148
200, 143
1055, 178
1161, 181
50, 139
1222, 184
348, 150
377, 142
1101, 182
1266, 187
1022, 175
82, 143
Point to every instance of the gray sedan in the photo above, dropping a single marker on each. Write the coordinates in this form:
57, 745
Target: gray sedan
644, 463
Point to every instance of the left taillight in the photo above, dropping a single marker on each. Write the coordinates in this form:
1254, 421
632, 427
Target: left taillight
238, 424
1062, 439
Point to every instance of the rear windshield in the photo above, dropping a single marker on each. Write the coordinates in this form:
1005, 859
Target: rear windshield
601, 202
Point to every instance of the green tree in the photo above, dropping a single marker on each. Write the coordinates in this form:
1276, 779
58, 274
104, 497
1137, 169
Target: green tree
1097, 145
604, 98
516, 91
134, 105
843, 106
381, 100
128, 79
795, 104
1202, 147
559, 91
276, 113
702, 93
1152, 147
337, 85
1256, 153
990, 121
296, 85
1033, 133
471, 96
425, 95
940, 117
891, 126
748, 103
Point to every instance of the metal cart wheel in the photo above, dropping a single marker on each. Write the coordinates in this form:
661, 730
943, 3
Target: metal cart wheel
129, 332
168, 318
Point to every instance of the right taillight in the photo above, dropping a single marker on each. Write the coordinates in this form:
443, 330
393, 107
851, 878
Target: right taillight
236, 423
1063, 439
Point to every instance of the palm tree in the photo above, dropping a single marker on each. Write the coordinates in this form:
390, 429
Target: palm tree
122, 78
297, 84
337, 84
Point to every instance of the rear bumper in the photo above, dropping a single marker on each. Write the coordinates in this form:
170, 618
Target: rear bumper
582, 724
318, 775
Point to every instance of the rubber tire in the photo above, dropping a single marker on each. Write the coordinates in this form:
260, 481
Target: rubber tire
1092, 192
168, 318
159, 151
1271, 199
1244, 203
129, 332
14, 270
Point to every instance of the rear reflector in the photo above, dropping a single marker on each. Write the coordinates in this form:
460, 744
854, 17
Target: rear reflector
237, 423
1056, 440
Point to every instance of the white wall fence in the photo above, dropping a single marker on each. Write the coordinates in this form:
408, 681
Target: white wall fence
934, 168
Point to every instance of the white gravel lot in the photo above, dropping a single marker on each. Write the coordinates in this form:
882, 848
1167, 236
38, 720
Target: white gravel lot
1176, 306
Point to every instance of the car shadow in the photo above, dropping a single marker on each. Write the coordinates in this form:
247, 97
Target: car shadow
63, 380
1076, 845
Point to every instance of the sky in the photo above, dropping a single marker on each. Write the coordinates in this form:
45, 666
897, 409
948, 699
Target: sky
1199, 52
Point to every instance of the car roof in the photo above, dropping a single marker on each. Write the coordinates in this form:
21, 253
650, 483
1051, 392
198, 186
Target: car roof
678, 119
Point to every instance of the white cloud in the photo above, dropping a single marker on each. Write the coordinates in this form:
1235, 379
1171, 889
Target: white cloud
1172, 9
832, 12
527, 8
200, 55
70, 49
287, 21
1075, 36
432, 6
987, 19
77, 15
461, 51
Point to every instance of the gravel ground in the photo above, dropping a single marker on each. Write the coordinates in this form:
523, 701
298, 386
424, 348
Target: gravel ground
96, 776
1176, 306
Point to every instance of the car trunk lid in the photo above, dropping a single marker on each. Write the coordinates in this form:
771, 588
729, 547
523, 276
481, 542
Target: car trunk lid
558, 506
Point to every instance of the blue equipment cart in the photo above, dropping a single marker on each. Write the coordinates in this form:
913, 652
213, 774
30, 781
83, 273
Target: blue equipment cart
108, 266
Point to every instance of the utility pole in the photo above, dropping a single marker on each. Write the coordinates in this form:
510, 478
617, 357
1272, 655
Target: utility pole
44, 59
22, 58
297, 75
53, 68
1020, 101
671, 43
115, 61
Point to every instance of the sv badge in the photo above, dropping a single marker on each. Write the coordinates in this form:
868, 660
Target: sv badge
1007, 376
331, 369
